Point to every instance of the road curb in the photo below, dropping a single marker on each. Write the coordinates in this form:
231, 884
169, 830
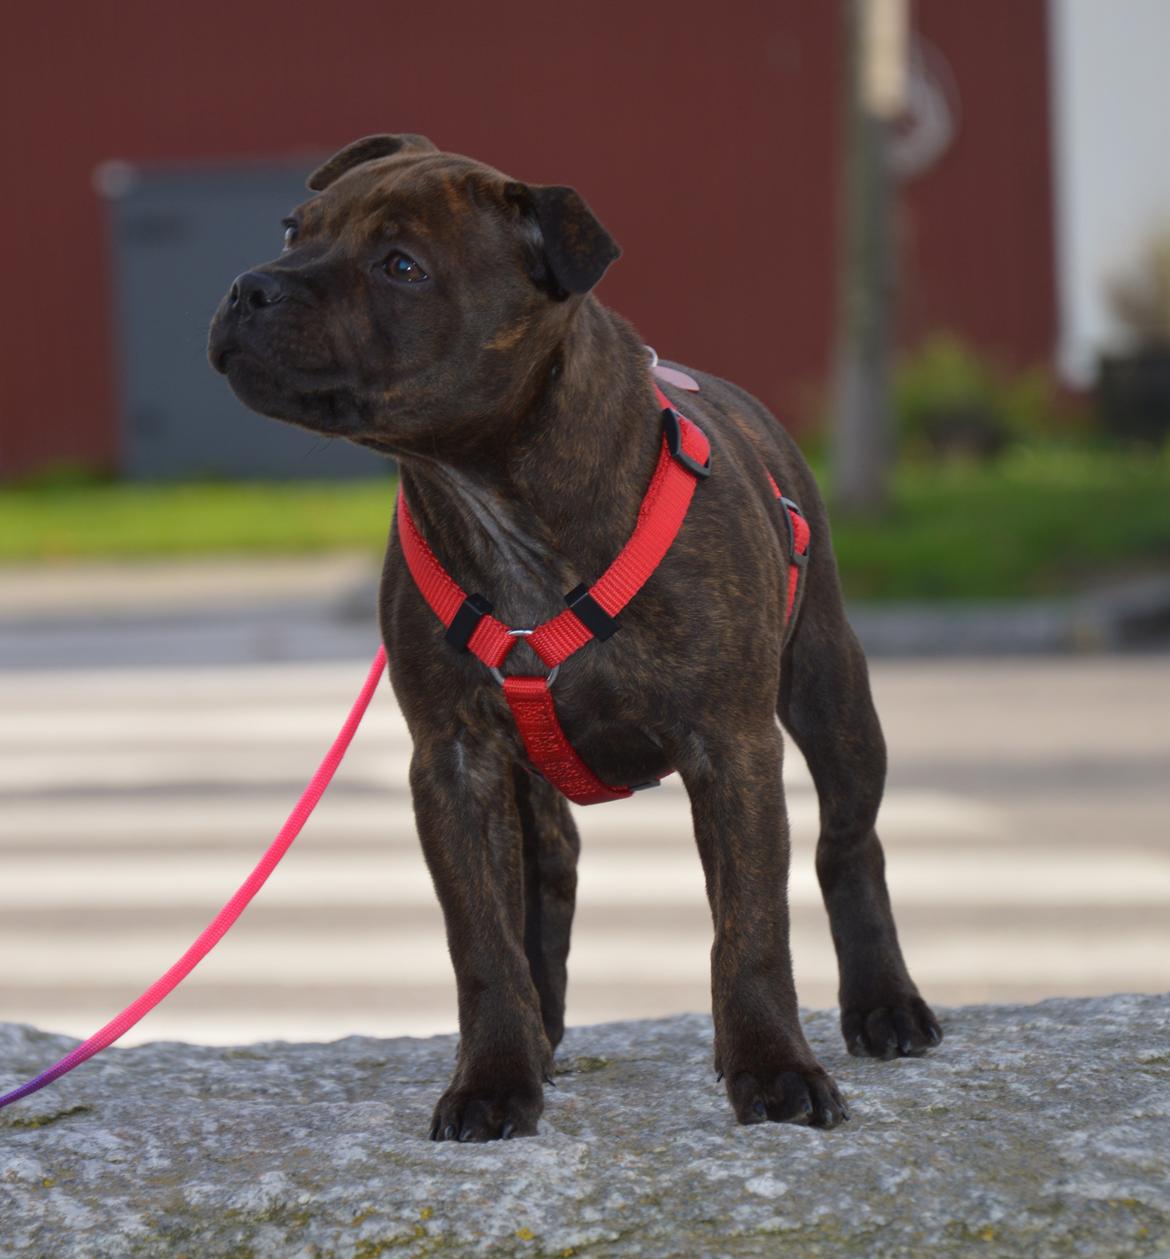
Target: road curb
1131, 617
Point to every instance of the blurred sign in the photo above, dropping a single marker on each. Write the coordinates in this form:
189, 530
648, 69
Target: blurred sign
179, 237
926, 128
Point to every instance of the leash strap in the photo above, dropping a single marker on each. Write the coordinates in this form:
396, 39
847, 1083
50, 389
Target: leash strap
225, 919
661, 515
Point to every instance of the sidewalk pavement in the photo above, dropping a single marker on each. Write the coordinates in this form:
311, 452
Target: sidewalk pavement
170, 587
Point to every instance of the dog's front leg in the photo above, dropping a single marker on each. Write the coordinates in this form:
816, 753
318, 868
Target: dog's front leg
737, 800
470, 830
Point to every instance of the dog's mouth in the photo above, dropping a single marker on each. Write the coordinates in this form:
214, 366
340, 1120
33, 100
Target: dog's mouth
375, 444
225, 346
221, 346
312, 402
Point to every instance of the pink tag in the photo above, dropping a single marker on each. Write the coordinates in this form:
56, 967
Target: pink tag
674, 377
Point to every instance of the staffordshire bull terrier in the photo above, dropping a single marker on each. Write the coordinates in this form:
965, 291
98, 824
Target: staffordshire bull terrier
433, 309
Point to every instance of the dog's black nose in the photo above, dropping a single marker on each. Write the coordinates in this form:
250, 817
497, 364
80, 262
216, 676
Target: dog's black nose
255, 289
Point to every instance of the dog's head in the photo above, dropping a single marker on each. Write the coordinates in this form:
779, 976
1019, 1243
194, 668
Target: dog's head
418, 295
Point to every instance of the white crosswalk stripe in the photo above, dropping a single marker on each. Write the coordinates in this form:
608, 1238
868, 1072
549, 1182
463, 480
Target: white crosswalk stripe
133, 802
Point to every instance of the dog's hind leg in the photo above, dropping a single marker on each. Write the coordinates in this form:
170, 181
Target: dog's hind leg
826, 706
550, 892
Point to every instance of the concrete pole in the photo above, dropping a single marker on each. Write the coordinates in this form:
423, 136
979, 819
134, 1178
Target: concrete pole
876, 35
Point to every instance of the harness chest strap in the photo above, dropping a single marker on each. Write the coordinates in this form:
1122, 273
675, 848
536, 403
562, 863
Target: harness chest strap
683, 460
548, 748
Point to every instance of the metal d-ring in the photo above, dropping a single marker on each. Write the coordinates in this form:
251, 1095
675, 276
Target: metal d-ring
523, 633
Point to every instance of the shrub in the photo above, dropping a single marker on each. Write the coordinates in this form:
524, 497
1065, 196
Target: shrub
948, 401
1140, 296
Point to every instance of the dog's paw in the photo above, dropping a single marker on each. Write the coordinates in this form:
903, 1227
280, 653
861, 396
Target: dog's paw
901, 1029
801, 1096
481, 1114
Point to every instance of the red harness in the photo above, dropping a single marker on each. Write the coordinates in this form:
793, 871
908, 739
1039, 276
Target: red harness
592, 611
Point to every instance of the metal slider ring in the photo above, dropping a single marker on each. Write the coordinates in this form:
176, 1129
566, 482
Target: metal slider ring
523, 633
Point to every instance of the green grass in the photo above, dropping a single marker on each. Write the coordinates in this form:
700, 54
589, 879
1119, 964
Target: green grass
1048, 521
117, 520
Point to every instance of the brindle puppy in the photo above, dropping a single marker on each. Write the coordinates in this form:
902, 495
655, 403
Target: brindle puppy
429, 307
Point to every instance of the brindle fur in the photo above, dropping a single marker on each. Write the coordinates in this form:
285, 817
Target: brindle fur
523, 416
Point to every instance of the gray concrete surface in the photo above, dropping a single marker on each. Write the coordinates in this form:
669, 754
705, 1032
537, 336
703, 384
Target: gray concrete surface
156, 725
1032, 1132
220, 610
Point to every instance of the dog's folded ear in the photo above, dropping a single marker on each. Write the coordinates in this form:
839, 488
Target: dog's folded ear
366, 150
574, 248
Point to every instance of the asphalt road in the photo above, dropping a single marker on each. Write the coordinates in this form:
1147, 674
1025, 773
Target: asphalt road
146, 761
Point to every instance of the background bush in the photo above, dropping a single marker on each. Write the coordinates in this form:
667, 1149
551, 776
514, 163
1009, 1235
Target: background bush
948, 401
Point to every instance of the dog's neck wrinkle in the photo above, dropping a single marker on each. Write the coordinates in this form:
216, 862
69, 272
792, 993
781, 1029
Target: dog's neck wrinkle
560, 503
497, 529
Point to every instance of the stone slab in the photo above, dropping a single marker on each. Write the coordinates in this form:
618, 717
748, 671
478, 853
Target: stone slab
1033, 1131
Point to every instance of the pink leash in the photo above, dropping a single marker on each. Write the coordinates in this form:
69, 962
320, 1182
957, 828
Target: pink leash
225, 919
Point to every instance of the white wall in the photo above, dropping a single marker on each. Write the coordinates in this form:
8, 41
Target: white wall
1111, 124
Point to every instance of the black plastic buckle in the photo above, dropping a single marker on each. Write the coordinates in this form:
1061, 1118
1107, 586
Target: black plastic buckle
463, 624
799, 558
591, 614
673, 431
654, 782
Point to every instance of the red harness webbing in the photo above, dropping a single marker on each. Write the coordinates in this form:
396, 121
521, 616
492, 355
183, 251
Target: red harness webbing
548, 747
799, 535
683, 460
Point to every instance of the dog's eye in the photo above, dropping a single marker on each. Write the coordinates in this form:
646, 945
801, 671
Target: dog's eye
400, 266
290, 233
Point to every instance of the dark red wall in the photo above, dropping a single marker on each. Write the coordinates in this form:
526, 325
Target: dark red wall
704, 136
977, 252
